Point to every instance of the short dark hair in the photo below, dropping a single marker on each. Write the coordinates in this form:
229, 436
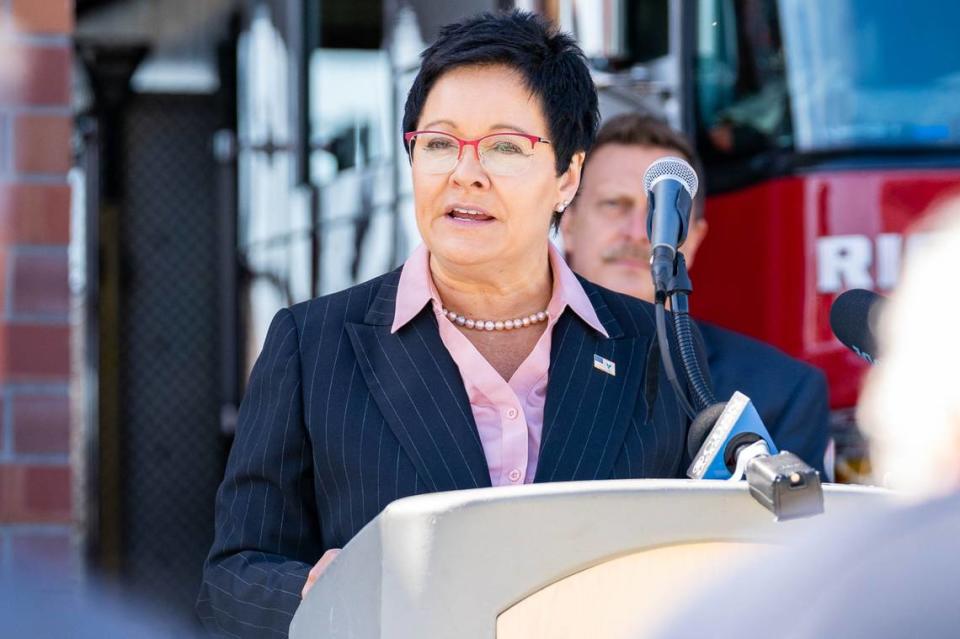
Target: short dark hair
551, 63
642, 129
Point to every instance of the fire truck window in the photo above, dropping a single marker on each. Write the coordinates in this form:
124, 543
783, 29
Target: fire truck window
825, 75
867, 75
742, 101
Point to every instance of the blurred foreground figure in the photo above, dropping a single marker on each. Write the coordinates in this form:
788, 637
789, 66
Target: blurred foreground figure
910, 405
897, 573
42, 605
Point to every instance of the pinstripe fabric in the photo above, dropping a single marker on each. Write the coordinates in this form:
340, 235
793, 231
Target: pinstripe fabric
340, 418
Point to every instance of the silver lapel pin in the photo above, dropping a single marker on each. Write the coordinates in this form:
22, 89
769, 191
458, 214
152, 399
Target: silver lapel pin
605, 365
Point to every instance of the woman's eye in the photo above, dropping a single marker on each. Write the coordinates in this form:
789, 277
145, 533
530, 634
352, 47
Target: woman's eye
439, 145
507, 147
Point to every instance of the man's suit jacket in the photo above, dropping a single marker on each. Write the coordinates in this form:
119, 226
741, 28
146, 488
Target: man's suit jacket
790, 396
341, 417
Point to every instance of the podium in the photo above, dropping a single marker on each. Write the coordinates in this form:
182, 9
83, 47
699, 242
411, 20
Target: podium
601, 559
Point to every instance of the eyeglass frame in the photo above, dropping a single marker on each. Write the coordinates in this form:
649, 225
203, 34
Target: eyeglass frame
533, 139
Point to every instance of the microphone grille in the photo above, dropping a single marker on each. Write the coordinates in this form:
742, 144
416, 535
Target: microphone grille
673, 167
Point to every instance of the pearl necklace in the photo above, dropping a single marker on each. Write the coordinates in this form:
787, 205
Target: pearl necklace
490, 325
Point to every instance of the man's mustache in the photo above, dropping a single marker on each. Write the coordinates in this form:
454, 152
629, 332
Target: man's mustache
627, 252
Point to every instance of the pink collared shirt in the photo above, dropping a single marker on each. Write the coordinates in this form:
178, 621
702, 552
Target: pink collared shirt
509, 415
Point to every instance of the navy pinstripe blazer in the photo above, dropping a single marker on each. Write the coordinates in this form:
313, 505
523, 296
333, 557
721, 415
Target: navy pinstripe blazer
341, 417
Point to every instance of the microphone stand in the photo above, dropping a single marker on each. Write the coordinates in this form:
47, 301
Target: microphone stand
678, 289
783, 483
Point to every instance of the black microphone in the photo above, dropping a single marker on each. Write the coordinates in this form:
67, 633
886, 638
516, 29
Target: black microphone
729, 441
671, 184
853, 320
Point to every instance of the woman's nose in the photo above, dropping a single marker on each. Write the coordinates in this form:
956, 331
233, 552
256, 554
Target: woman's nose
468, 169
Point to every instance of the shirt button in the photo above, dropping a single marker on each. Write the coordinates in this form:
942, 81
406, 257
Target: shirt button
514, 475
512, 413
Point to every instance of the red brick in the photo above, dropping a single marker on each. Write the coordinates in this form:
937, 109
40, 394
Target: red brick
34, 494
31, 352
41, 424
34, 213
44, 16
46, 491
44, 78
40, 283
42, 144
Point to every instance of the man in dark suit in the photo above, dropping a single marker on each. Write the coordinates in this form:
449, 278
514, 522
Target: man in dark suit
605, 239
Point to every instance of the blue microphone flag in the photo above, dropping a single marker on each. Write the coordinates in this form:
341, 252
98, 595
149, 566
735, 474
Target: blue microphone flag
739, 416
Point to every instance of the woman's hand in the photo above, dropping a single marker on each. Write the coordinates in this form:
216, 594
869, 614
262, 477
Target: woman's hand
318, 569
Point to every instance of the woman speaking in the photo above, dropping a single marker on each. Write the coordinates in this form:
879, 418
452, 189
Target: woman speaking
483, 361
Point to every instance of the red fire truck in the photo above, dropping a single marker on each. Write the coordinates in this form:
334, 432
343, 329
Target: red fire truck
827, 130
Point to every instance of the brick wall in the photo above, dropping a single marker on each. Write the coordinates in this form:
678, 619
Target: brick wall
36, 126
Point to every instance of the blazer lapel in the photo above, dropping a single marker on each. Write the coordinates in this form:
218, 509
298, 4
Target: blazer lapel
588, 410
420, 393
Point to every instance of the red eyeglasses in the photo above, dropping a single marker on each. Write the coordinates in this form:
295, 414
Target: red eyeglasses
505, 154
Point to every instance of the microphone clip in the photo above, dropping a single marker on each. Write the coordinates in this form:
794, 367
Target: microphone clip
785, 485
746, 455
670, 277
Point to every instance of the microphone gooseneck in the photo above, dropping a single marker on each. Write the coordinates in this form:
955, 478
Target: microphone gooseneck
667, 358
702, 392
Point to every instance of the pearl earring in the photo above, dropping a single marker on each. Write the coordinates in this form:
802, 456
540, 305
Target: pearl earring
560, 208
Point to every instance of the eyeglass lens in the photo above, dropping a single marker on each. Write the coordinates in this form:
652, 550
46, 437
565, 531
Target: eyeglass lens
504, 154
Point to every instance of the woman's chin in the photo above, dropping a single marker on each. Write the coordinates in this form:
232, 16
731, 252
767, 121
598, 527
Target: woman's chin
467, 242
465, 251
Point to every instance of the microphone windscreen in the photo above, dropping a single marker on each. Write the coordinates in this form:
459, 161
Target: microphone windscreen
701, 427
852, 319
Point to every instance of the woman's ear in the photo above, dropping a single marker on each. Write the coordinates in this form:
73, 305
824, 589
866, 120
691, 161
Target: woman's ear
569, 180
566, 230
